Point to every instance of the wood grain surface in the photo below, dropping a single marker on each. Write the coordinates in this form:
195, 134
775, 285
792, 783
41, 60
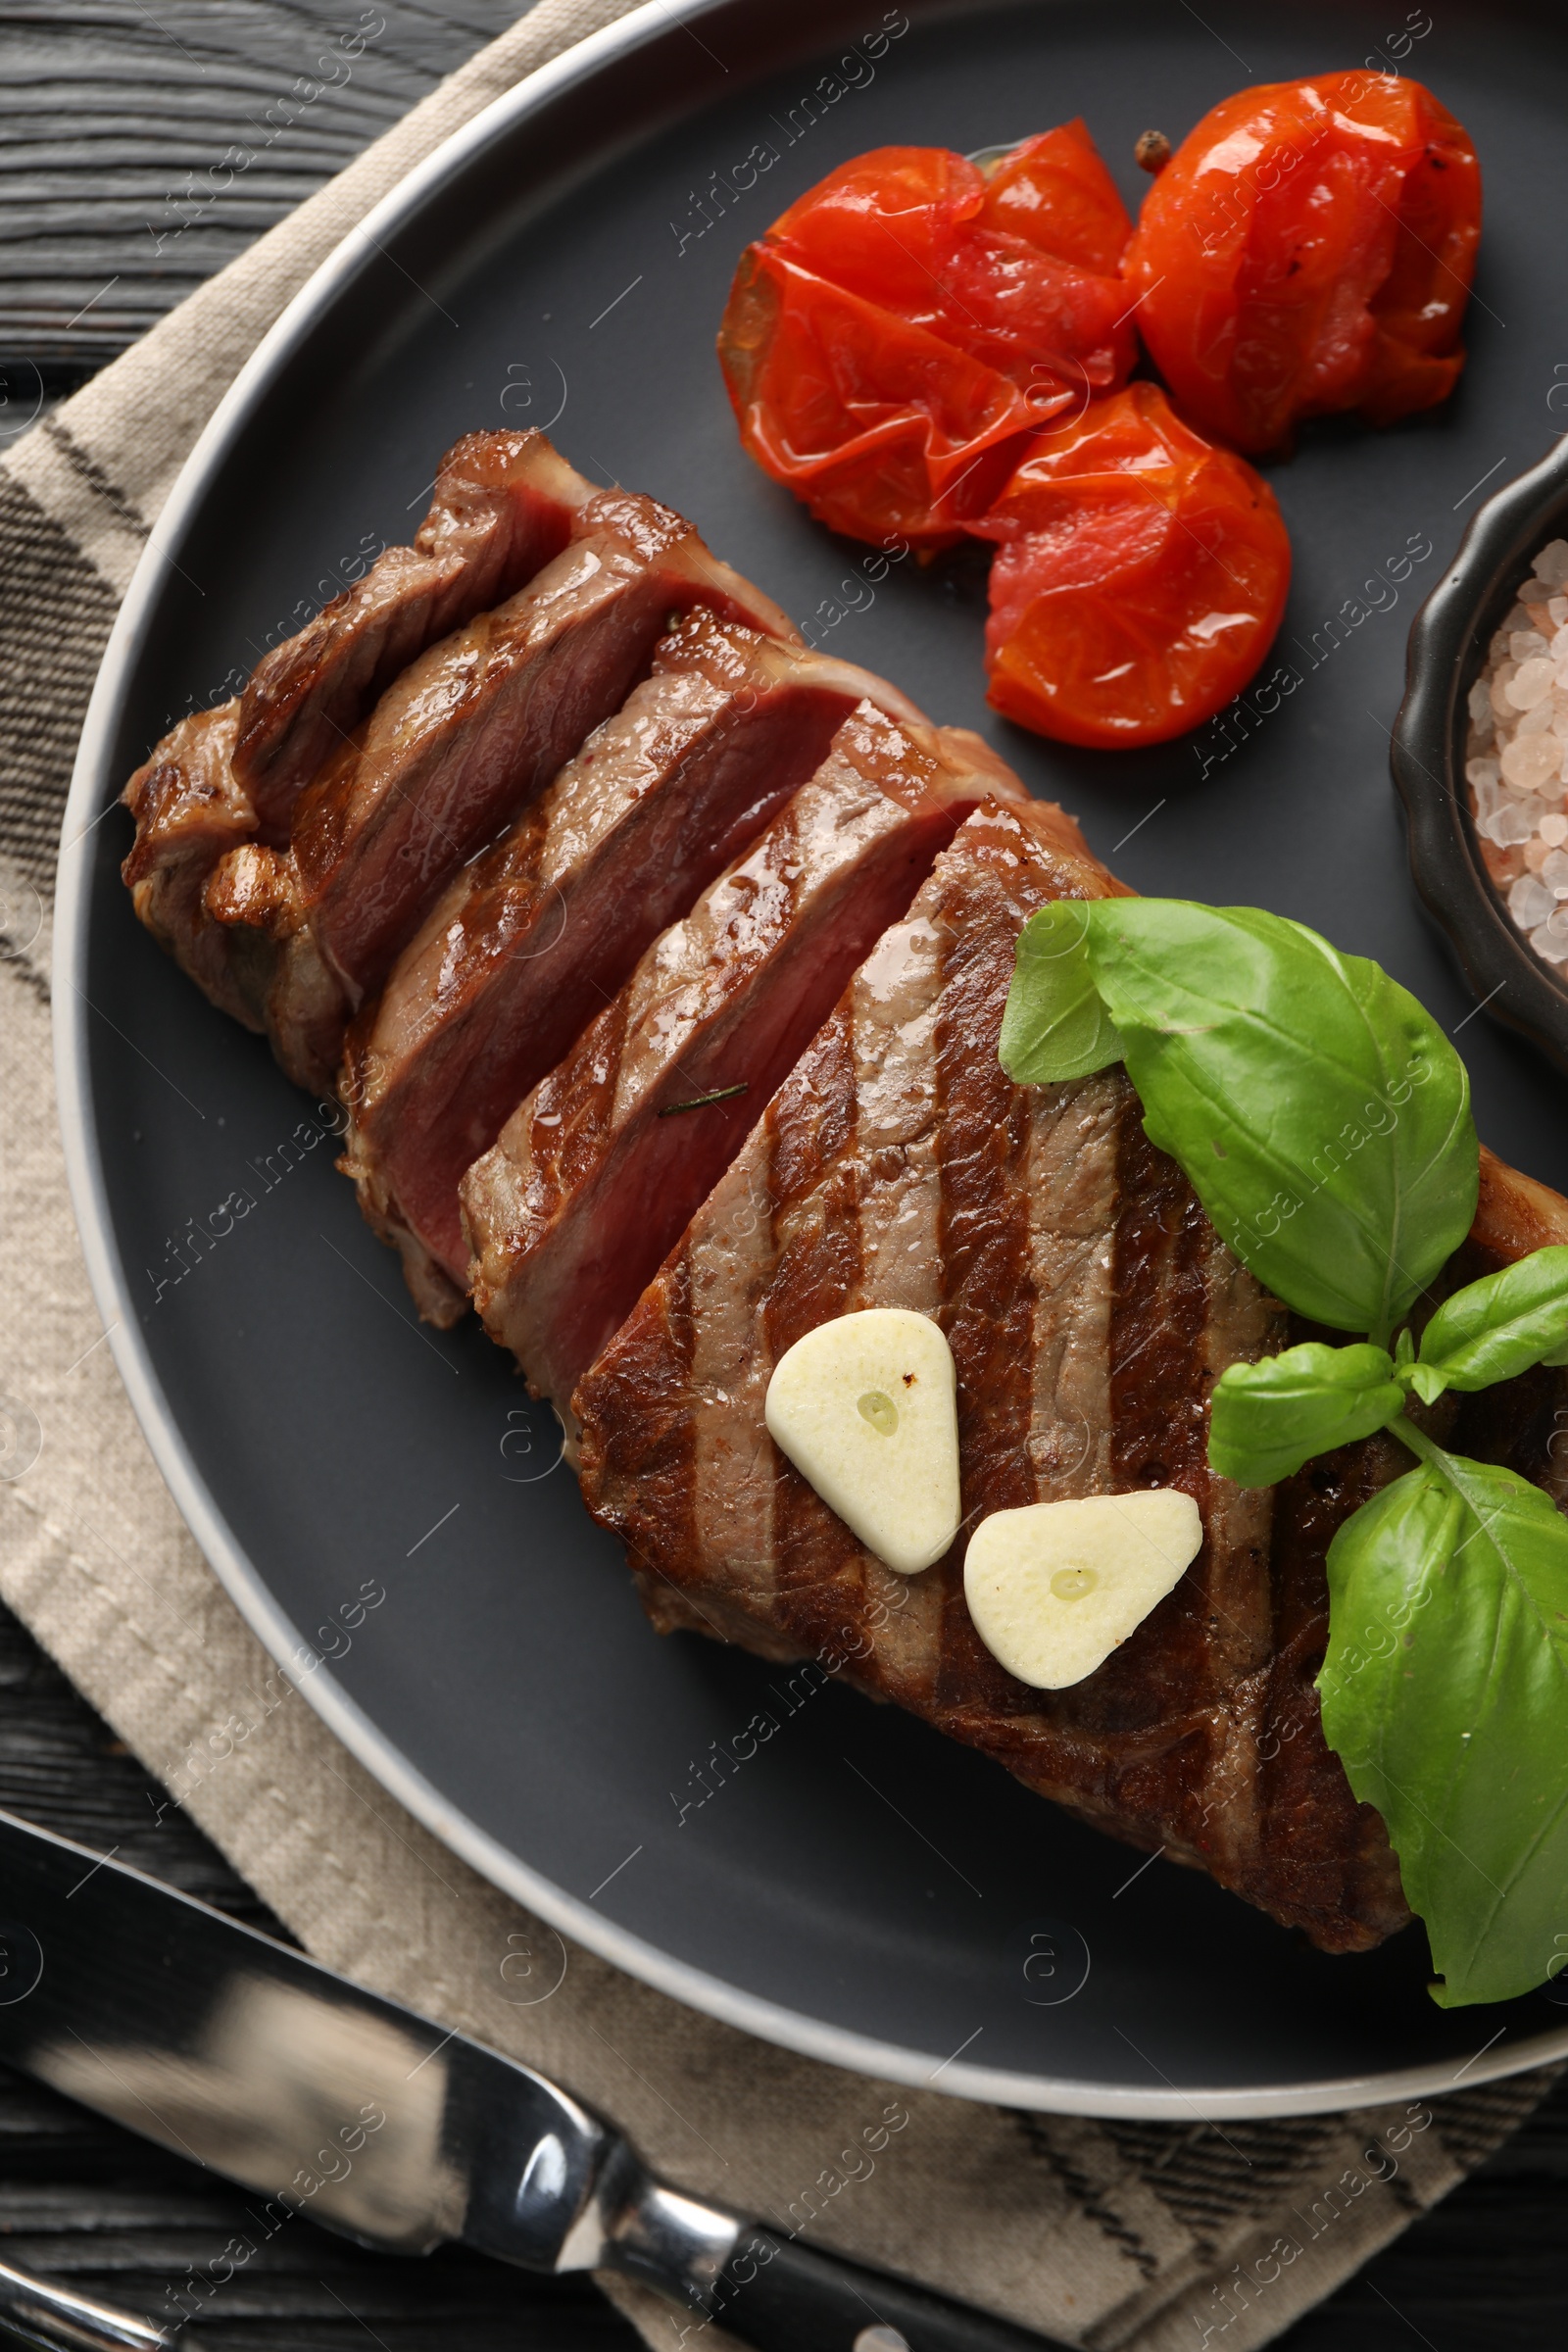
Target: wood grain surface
143, 143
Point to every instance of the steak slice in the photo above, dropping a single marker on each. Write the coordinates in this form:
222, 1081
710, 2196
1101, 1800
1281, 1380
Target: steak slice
189, 814
1089, 1306
453, 752
532, 937
504, 504
597, 1172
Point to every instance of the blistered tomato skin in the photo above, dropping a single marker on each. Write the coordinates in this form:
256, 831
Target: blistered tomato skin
1309, 249
884, 430
1056, 193
1138, 579
893, 340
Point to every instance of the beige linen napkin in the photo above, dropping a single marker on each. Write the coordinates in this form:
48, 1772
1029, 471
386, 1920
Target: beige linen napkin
1113, 2234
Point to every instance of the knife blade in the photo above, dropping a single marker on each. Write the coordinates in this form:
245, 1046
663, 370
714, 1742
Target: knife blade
229, 2048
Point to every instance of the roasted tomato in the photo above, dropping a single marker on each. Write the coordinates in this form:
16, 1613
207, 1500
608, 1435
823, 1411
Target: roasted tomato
1140, 576
900, 331
1309, 248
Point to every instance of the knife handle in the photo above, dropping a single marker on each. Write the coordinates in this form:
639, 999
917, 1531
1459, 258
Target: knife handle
34, 2311
781, 2296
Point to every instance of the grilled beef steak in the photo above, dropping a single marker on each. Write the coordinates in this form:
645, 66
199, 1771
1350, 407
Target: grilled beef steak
1090, 1308
533, 938
453, 750
504, 504
595, 1175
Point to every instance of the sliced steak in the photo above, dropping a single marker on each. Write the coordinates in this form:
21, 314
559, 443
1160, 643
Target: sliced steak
455, 750
531, 939
595, 1175
189, 814
1090, 1308
502, 505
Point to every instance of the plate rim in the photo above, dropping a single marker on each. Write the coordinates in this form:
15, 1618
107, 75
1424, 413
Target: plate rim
92, 778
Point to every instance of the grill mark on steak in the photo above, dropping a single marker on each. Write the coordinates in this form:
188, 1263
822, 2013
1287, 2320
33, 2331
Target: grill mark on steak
816, 1274
532, 937
983, 1245
1158, 1403
984, 1236
1175, 1322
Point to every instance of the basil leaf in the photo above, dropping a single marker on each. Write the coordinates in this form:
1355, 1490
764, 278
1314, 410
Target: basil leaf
1056, 1025
1267, 1419
1498, 1327
1320, 1114
1445, 1692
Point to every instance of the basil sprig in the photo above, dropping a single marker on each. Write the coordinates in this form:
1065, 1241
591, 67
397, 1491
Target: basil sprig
1323, 1119
1269, 1419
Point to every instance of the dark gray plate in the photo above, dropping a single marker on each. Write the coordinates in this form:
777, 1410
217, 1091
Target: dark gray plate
857, 1886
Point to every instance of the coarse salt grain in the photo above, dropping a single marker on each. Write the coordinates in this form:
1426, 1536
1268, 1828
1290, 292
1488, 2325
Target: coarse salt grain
1531, 760
1553, 831
1530, 901
1508, 825
1530, 682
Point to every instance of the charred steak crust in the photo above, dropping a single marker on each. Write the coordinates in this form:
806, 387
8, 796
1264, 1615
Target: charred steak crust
227, 779
190, 811
1090, 1308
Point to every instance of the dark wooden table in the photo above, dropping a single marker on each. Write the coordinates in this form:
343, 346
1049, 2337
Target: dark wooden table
115, 198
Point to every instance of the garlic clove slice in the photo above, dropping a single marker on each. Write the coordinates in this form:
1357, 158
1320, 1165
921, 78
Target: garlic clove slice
1054, 1588
865, 1407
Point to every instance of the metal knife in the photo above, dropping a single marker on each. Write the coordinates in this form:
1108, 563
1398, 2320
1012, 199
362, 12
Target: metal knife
227, 2048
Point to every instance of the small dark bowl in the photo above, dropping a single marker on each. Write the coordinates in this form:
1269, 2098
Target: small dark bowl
1447, 647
